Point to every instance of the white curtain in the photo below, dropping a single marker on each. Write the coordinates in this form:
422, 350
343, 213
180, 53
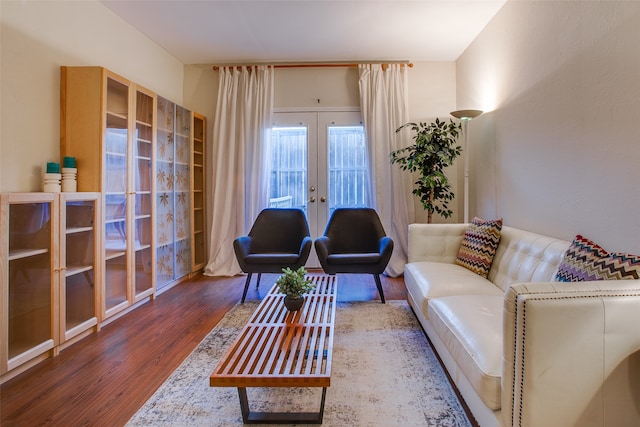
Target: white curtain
384, 106
241, 146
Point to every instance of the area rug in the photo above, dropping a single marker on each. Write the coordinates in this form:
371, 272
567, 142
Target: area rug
384, 374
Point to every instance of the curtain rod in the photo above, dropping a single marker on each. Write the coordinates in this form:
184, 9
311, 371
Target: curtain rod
317, 64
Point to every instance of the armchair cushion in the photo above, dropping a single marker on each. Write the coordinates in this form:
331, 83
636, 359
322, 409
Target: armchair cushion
354, 242
279, 238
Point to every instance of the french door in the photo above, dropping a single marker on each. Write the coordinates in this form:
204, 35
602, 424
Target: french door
318, 164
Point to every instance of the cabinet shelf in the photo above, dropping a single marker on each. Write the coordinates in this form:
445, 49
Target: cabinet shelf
115, 154
140, 247
76, 230
113, 254
116, 115
22, 352
114, 220
73, 270
26, 253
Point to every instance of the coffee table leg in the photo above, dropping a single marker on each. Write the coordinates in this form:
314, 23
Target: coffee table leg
249, 417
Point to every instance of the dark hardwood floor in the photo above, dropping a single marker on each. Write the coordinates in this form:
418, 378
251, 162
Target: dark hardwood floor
103, 379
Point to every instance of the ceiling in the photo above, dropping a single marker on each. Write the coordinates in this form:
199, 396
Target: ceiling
257, 31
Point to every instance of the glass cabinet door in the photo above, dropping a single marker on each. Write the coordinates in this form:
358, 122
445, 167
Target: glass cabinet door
28, 281
143, 179
115, 194
182, 187
164, 192
173, 181
78, 290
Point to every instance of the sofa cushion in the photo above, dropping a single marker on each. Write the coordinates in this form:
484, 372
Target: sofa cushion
585, 260
470, 326
425, 280
523, 256
479, 245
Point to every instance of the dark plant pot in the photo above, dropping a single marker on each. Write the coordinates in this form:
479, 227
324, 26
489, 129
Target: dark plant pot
293, 304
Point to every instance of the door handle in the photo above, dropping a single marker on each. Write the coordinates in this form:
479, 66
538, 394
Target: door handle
323, 199
312, 199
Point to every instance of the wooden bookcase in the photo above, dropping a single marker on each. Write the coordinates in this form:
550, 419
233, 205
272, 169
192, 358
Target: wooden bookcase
50, 264
107, 123
198, 195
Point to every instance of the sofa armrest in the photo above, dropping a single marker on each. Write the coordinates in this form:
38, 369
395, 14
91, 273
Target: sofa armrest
435, 242
571, 354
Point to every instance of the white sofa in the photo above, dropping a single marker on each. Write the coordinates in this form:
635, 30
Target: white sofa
522, 349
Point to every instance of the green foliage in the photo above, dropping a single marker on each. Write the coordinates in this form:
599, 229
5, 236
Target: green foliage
293, 283
434, 149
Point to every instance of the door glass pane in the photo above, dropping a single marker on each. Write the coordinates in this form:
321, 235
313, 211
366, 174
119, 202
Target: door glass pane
347, 168
288, 176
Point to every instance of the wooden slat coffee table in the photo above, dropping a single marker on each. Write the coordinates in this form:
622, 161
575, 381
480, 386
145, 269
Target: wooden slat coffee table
278, 348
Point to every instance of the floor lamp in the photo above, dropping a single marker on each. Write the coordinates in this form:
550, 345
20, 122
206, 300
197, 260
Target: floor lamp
465, 116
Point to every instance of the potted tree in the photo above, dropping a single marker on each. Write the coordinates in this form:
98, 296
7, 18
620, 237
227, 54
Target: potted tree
294, 285
433, 150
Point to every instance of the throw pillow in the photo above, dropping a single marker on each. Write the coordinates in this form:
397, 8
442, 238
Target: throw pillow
585, 260
479, 245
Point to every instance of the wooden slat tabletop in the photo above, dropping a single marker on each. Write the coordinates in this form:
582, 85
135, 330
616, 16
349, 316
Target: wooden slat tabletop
278, 348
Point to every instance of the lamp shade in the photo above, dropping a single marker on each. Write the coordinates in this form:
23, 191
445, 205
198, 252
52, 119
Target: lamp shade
466, 114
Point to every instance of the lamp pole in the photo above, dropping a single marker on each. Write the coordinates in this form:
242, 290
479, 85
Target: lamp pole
465, 116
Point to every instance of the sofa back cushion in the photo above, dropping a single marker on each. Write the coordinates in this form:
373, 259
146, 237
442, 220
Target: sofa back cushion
523, 256
435, 242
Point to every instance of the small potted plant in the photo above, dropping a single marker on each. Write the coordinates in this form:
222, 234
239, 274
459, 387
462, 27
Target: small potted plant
293, 284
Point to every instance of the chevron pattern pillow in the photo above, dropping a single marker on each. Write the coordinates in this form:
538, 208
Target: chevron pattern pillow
479, 245
585, 260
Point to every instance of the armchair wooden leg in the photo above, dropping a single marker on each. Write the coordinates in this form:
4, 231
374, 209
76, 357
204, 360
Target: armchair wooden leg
246, 287
258, 282
379, 286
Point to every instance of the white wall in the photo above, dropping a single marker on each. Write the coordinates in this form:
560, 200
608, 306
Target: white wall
36, 38
432, 93
559, 153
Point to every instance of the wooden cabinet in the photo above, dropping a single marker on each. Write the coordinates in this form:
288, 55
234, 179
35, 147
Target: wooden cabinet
173, 197
198, 196
80, 267
107, 123
50, 268
29, 269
